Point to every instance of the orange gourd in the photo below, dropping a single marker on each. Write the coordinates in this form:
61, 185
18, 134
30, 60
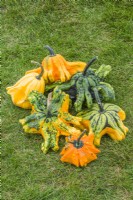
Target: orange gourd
57, 68
80, 150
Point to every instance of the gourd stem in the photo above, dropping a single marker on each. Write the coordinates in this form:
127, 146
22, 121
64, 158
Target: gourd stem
49, 99
42, 69
51, 51
89, 64
78, 140
98, 100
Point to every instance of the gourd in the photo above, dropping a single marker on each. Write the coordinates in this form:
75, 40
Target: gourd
57, 68
80, 87
79, 150
20, 91
51, 120
104, 119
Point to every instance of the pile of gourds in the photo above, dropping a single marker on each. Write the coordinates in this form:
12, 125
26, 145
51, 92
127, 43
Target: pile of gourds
69, 99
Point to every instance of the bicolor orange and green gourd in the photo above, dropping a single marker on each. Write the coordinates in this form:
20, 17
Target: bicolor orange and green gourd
51, 121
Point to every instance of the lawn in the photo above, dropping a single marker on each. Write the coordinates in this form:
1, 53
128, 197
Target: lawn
79, 30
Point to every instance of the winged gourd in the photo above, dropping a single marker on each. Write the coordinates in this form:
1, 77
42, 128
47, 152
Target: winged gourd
105, 119
50, 121
80, 87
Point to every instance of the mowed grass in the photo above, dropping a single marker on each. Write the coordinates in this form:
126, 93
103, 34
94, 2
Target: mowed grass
78, 30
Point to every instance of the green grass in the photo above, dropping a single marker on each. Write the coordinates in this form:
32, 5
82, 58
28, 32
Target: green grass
78, 30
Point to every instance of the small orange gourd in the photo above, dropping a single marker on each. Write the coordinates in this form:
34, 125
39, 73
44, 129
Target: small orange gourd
20, 91
80, 150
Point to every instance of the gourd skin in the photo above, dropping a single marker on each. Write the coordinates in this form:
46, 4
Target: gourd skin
122, 114
34, 122
75, 67
109, 121
20, 91
56, 69
79, 156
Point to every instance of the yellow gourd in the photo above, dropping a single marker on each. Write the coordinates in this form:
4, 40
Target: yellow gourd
20, 91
